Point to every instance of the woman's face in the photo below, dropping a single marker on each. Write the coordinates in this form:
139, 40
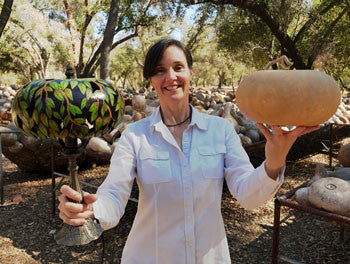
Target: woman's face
172, 77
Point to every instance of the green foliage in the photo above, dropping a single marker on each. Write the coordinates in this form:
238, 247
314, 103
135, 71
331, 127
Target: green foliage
246, 37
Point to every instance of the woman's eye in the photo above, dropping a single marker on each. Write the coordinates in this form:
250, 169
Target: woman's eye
158, 71
178, 68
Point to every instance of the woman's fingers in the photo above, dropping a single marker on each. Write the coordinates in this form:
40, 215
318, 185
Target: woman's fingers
266, 132
73, 213
71, 221
89, 198
70, 193
277, 130
69, 206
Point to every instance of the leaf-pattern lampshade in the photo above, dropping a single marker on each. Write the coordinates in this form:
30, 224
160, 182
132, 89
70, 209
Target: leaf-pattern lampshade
77, 108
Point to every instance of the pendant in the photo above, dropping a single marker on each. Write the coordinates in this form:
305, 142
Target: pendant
171, 129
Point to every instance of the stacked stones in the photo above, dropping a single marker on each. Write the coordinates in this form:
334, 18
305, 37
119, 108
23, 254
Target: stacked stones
142, 104
342, 116
6, 96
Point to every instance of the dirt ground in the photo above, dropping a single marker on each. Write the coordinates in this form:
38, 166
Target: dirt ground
26, 229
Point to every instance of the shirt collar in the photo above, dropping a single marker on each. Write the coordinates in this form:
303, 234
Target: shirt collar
198, 119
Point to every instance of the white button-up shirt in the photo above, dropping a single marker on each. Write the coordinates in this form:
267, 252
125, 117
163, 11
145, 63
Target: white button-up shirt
179, 217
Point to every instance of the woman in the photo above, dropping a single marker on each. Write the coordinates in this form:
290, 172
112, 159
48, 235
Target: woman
179, 158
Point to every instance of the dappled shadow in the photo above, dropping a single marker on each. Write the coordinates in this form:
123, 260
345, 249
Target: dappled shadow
319, 142
29, 227
303, 237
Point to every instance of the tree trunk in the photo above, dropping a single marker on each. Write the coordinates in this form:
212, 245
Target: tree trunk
221, 79
108, 39
5, 14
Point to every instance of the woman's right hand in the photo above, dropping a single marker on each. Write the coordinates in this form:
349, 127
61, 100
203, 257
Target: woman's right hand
75, 213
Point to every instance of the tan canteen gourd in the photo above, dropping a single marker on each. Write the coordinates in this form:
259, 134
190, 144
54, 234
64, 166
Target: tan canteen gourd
288, 97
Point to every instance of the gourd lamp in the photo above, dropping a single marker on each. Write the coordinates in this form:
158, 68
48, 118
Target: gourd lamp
68, 110
288, 97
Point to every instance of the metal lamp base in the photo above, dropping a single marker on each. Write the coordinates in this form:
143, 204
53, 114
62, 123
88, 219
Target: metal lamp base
79, 235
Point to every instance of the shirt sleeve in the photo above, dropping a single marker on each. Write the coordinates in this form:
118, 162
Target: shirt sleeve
114, 192
251, 187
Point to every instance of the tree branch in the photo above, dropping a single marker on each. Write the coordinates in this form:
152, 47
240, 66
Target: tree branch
5, 14
313, 18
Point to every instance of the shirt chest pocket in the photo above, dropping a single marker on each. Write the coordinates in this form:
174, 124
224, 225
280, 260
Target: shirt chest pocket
212, 161
154, 166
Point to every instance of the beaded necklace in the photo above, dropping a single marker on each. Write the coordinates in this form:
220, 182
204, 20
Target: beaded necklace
172, 127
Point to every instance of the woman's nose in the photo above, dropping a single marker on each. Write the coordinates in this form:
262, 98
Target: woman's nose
170, 74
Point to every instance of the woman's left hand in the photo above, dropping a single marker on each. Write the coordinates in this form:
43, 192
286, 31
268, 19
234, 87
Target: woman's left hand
278, 144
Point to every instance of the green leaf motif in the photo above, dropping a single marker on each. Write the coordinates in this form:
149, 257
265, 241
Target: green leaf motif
23, 104
44, 119
62, 109
48, 111
25, 114
82, 88
64, 133
83, 103
87, 84
122, 103
88, 93
63, 85
33, 134
111, 91
104, 109
103, 82
59, 96
106, 120
43, 129
57, 115
38, 105
106, 97
32, 91
112, 99
73, 84
54, 125
119, 115
98, 123
25, 94
69, 94
36, 116
52, 133
66, 121
84, 130
26, 130
93, 116
79, 120
50, 102
38, 93
55, 85
74, 109
41, 135
93, 107
31, 123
